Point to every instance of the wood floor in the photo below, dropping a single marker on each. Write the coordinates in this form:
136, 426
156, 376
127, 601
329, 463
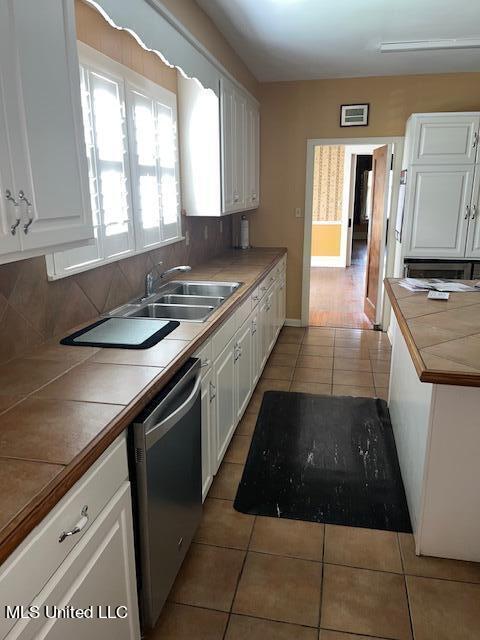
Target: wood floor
337, 294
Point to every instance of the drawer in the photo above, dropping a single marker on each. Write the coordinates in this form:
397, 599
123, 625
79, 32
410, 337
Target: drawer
221, 338
204, 354
30, 566
243, 311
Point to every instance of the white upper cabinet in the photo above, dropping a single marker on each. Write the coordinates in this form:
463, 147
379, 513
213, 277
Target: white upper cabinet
219, 143
443, 138
228, 141
42, 106
473, 240
9, 210
252, 155
439, 205
443, 186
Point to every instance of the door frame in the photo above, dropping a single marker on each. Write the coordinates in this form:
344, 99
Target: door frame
383, 309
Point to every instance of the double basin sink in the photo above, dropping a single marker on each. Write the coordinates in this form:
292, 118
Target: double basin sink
180, 300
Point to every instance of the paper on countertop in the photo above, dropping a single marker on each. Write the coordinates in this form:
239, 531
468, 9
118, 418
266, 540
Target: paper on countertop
434, 284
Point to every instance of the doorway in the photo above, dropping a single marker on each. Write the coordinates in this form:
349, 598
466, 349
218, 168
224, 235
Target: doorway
347, 242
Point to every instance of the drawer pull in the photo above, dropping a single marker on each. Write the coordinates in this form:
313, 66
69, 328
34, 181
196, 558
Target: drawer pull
205, 363
81, 524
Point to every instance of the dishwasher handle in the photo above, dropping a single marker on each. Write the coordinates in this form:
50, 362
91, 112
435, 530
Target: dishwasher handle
158, 430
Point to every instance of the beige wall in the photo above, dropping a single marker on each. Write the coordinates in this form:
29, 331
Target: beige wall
292, 112
205, 31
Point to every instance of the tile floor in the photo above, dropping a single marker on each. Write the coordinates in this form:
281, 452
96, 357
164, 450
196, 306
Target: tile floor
256, 578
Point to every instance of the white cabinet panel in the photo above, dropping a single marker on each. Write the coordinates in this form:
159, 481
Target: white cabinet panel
439, 209
208, 432
256, 346
473, 240
100, 570
43, 110
252, 156
239, 183
243, 362
445, 138
9, 212
225, 412
227, 101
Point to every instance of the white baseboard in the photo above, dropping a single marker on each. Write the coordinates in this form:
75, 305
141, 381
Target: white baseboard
293, 322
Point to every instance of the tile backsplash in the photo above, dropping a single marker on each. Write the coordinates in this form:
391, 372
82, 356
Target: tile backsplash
32, 309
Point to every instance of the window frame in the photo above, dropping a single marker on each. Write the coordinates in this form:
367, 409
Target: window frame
129, 81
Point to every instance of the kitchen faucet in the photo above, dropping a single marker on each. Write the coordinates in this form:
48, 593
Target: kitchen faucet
152, 277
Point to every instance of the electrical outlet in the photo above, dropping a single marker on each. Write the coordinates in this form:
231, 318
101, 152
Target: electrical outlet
298, 212
187, 239
205, 232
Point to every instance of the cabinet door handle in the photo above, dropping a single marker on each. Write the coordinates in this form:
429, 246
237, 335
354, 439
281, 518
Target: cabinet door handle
475, 140
10, 198
28, 204
254, 298
254, 196
207, 363
474, 211
213, 391
81, 524
467, 211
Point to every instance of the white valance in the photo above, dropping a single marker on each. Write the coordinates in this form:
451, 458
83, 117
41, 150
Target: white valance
155, 33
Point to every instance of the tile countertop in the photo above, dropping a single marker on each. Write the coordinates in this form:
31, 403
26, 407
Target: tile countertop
443, 337
61, 407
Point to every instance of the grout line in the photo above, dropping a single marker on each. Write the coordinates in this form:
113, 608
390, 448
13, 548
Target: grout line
323, 578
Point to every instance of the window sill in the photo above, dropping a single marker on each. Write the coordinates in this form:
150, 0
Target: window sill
51, 276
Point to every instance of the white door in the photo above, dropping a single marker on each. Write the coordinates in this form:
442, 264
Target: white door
9, 209
208, 426
473, 240
239, 193
438, 206
45, 121
227, 101
243, 367
252, 155
271, 319
225, 410
99, 570
282, 297
264, 332
445, 139
256, 346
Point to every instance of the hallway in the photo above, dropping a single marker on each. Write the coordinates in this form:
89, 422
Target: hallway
337, 294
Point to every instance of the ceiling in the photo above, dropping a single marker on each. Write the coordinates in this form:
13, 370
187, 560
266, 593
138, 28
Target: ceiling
308, 39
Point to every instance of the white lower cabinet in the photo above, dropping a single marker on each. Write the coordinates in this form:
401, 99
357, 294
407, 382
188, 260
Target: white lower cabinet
243, 368
94, 566
99, 573
236, 370
225, 413
256, 346
208, 432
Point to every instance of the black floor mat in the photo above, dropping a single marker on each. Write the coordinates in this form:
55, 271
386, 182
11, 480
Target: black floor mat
325, 459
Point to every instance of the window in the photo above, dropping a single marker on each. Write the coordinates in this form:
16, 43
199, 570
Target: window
130, 128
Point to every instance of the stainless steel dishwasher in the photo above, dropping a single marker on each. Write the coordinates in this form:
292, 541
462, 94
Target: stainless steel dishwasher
168, 478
